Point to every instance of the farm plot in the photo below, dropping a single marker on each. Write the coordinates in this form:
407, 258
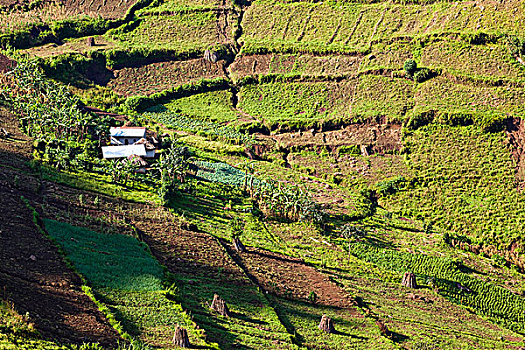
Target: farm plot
351, 333
203, 268
379, 96
478, 101
492, 61
450, 17
50, 11
183, 32
128, 279
297, 105
214, 106
319, 27
174, 6
416, 316
157, 77
72, 46
307, 27
466, 183
390, 56
198, 265
306, 65
31, 286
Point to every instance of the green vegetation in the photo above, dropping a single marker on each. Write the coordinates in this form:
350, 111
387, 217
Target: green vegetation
382, 137
295, 105
212, 106
183, 32
482, 297
465, 181
120, 262
382, 96
127, 279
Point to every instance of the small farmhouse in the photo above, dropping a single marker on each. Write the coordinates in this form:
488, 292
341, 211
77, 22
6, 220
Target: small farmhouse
112, 152
128, 141
126, 135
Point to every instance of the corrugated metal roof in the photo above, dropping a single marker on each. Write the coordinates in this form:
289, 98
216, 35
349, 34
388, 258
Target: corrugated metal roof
128, 132
109, 152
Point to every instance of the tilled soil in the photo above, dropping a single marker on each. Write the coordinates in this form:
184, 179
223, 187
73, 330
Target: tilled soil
33, 275
516, 135
292, 278
377, 137
156, 77
5, 62
284, 63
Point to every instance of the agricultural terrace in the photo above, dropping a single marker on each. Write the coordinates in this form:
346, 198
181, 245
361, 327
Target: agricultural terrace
306, 65
482, 102
38, 13
157, 77
465, 179
297, 105
181, 32
212, 106
175, 6
332, 27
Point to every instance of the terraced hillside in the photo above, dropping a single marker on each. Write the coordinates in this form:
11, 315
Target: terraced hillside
310, 156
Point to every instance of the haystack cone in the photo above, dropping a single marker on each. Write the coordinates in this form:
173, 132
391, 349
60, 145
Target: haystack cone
219, 305
409, 280
237, 244
180, 338
326, 324
383, 328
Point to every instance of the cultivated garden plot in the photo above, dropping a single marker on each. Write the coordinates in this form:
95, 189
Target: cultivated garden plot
184, 32
39, 13
297, 105
468, 102
157, 77
307, 27
174, 6
304, 65
488, 62
214, 106
128, 281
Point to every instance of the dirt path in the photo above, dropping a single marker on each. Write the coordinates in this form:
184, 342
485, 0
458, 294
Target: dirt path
33, 275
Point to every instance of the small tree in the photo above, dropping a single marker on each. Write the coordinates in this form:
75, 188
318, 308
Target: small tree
410, 67
352, 233
236, 230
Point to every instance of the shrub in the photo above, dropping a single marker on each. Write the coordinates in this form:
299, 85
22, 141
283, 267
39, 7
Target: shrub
410, 67
390, 186
351, 149
312, 297
423, 75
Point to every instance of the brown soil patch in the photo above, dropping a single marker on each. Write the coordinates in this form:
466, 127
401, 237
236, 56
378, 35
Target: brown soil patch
305, 64
6, 63
516, 134
156, 77
291, 277
377, 137
50, 11
70, 47
33, 275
